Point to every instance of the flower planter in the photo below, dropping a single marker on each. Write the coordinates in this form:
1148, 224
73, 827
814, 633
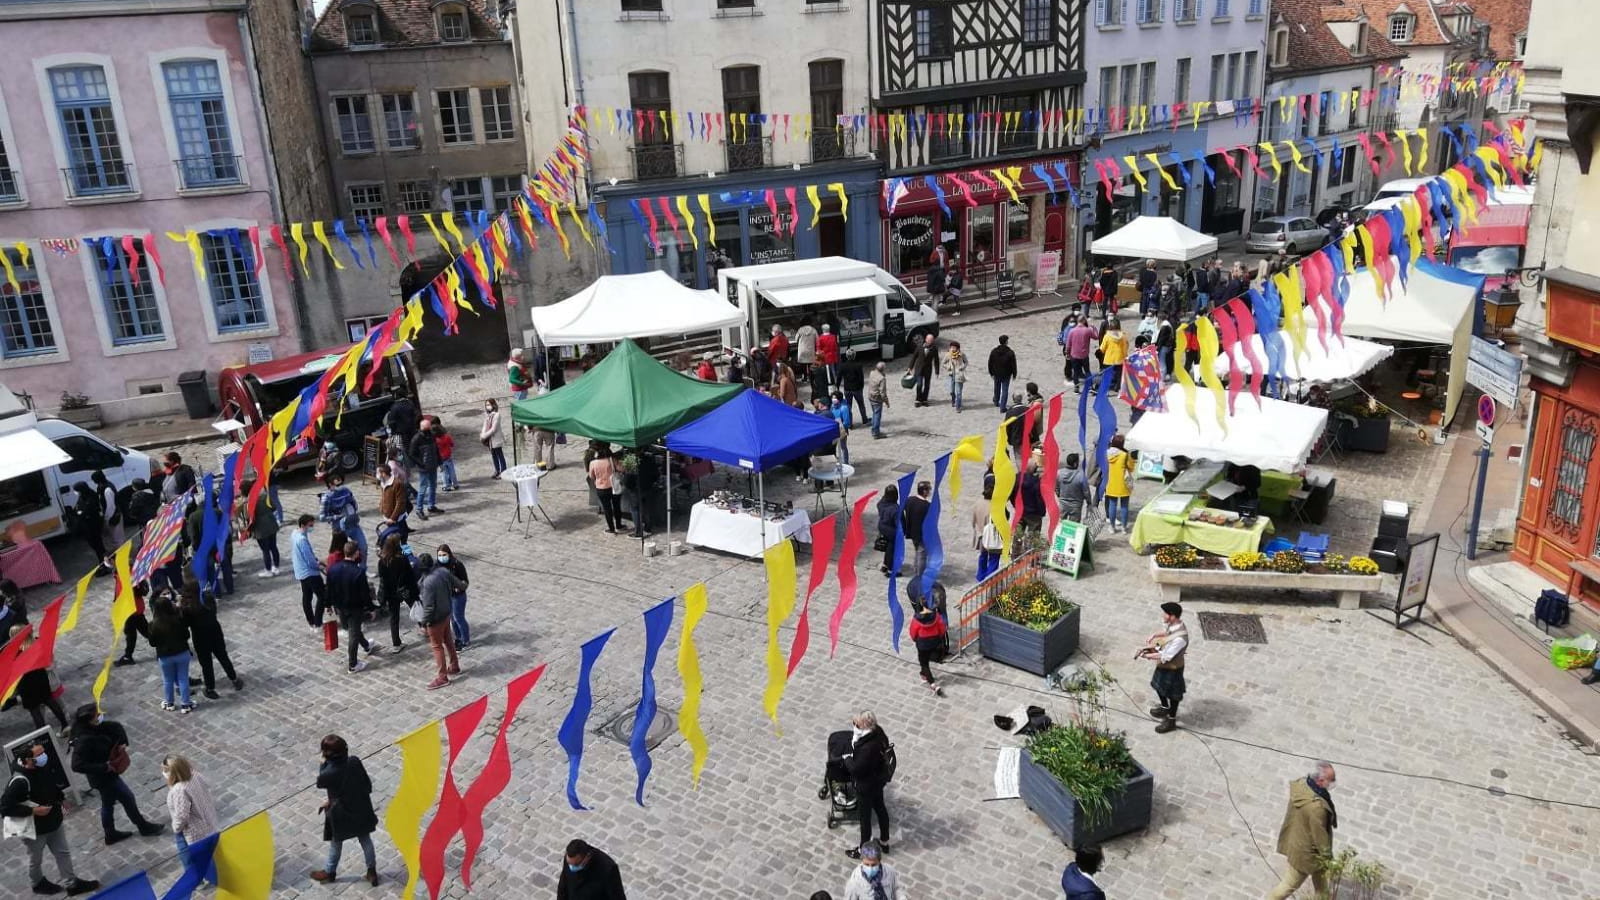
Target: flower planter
1347, 587
1371, 435
1052, 802
1039, 652
86, 417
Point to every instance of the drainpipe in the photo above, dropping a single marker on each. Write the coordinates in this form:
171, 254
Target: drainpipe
578, 95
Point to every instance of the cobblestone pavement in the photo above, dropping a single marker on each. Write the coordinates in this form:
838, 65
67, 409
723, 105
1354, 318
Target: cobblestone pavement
1433, 748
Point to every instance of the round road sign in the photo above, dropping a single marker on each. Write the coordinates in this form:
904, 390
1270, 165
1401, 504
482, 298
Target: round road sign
1486, 409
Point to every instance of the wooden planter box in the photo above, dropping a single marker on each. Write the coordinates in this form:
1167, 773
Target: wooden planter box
1052, 802
1347, 587
1371, 435
1039, 652
86, 417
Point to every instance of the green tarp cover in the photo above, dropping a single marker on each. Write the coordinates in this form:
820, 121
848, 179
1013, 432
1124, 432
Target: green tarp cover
628, 399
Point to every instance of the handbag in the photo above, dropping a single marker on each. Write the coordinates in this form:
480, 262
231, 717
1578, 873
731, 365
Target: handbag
118, 761
330, 636
881, 544
418, 616
908, 381
20, 826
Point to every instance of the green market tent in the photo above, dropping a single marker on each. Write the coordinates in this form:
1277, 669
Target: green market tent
629, 399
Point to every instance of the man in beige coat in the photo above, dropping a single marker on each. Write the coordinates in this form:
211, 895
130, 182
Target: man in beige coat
1306, 838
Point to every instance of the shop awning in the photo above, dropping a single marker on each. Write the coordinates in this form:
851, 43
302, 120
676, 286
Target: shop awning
854, 289
22, 452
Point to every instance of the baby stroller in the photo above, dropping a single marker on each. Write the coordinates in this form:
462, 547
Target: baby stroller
837, 787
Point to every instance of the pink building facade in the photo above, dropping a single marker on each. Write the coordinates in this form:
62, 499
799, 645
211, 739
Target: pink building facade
119, 121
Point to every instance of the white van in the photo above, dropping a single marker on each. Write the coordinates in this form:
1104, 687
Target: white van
34, 495
870, 310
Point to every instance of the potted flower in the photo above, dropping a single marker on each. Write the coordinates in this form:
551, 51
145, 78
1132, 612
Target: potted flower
1081, 779
77, 409
1177, 556
1030, 626
1363, 425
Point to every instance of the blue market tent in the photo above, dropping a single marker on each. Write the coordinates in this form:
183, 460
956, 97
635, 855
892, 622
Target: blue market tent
754, 432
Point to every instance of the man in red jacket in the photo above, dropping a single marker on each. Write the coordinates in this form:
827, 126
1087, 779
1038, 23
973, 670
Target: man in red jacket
828, 354
778, 347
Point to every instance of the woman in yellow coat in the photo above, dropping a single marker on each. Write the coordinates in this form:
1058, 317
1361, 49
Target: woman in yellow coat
1119, 484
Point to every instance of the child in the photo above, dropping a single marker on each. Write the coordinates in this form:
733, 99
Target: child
447, 450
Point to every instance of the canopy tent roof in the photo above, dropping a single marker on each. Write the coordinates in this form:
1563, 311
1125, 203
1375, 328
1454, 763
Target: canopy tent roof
1156, 237
628, 399
1275, 435
615, 307
754, 432
805, 295
23, 452
1351, 359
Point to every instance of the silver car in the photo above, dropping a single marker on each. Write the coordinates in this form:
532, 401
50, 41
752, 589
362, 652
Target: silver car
1291, 234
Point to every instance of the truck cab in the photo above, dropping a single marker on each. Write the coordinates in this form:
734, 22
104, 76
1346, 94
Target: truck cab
873, 314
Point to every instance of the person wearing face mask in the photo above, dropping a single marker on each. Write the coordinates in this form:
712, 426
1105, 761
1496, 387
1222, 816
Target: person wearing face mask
874, 879
869, 772
489, 435
100, 754
589, 874
458, 596
348, 812
33, 795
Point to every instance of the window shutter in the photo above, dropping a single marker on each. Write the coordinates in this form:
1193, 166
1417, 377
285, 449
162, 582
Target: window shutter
1123, 12
1100, 12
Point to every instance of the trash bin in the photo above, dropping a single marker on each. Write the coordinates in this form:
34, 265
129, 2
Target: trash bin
196, 394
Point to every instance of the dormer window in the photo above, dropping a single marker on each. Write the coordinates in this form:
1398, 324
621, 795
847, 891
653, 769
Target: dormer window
1280, 46
362, 28
1360, 46
453, 24
1402, 27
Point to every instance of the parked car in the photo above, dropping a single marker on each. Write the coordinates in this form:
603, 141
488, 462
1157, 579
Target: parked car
1292, 234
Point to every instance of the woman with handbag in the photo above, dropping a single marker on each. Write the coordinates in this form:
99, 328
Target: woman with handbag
33, 690
263, 526
189, 803
985, 536
458, 596
100, 754
170, 638
348, 812
888, 530
489, 436
397, 584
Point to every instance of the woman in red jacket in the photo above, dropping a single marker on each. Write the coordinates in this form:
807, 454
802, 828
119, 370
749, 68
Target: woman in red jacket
928, 633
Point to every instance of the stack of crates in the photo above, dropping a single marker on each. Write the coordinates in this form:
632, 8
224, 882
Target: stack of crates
1389, 547
1313, 548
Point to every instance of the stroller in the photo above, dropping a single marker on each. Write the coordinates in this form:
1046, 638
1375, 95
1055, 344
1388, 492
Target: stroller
837, 788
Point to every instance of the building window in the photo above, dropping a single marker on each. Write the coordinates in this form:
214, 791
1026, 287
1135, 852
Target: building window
1217, 63
25, 328
1233, 76
361, 29
827, 105
980, 233
1256, 8
416, 196
1247, 87
453, 24
933, 32
1150, 11
1565, 512
455, 115
366, 200
1038, 21
498, 122
1147, 83
1221, 10
911, 241
1280, 47
132, 313
1360, 48
736, 4
235, 291
200, 123
400, 122
361, 326
1108, 88
1022, 135
355, 125
942, 145
1185, 10
741, 94
1128, 87
1180, 89
1401, 27
1019, 223
654, 155
89, 129
1522, 46
1109, 13
501, 189
641, 6
466, 195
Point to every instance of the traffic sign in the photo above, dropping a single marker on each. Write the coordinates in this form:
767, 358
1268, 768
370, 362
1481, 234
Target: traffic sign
1486, 410
1486, 433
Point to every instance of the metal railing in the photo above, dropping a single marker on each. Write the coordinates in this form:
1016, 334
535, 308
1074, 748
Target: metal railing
98, 179
209, 170
964, 621
751, 153
652, 161
8, 185
830, 143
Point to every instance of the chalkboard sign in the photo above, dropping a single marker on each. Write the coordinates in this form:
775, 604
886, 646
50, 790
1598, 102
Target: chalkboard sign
371, 455
1005, 283
894, 330
57, 766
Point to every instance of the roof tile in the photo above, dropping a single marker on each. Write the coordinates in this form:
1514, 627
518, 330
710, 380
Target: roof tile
401, 23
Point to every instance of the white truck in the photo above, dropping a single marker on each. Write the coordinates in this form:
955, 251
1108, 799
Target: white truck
40, 457
870, 310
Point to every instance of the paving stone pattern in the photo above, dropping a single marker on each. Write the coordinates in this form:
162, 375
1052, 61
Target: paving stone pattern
1332, 684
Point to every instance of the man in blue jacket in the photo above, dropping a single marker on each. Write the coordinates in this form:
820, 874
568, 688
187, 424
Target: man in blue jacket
1076, 880
308, 571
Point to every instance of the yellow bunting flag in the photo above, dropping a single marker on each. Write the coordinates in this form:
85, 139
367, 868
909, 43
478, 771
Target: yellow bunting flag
688, 220
572, 210
413, 797
844, 201
1347, 247
244, 858
1181, 374
1404, 137
24, 253
320, 232
1283, 107
448, 219
1536, 156
1272, 153
1005, 478
11, 275
1133, 169
968, 449
196, 254
121, 608
454, 287
297, 233
694, 609
704, 200
1422, 152
1291, 292
1295, 157
781, 584
411, 322
1210, 346
434, 230
1364, 238
1413, 220
1491, 164
816, 204
554, 209
1162, 171
666, 122
71, 620
1199, 109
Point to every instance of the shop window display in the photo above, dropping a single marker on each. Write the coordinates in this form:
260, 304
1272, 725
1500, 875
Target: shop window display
768, 244
1019, 222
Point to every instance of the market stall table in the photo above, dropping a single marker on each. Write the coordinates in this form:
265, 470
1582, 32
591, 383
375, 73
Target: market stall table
736, 531
525, 480
1165, 520
822, 477
28, 563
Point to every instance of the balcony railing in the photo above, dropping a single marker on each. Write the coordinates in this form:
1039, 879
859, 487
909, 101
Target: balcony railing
209, 170
752, 153
651, 161
99, 179
832, 143
8, 186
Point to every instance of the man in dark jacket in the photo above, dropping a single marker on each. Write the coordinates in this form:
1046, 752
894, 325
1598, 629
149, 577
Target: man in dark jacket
143, 504
95, 740
589, 874
1215, 279
33, 792
1149, 290
913, 519
868, 763
401, 419
1077, 882
435, 585
423, 449
852, 381
178, 477
88, 520
1002, 368
1109, 282
351, 595
924, 365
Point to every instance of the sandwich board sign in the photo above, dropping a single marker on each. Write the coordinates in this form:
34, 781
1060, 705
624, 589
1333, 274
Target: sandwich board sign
1070, 549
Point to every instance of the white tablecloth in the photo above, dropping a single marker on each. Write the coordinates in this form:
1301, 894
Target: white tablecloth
737, 532
526, 479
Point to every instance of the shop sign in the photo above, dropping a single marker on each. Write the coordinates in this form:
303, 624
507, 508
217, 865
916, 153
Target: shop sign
1070, 549
1494, 370
1047, 272
912, 231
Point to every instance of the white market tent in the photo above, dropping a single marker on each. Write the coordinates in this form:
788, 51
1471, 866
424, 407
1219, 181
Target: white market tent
632, 306
1276, 435
1351, 359
1156, 237
1435, 307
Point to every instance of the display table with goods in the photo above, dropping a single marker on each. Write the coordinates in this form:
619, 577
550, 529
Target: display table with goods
736, 524
1174, 518
1176, 567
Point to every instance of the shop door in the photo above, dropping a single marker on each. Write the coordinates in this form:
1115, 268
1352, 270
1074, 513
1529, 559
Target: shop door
1055, 229
831, 234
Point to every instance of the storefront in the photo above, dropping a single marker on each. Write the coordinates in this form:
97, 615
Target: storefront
1180, 198
745, 229
984, 234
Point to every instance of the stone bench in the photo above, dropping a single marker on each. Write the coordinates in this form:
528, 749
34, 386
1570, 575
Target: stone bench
1348, 588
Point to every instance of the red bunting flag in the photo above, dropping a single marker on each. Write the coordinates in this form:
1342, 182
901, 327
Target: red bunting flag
132, 249
1052, 453
495, 776
1228, 336
671, 217
458, 727
254, 233
821, 552
854, 539
39, 654
404, 222
381, 223
275, 231
150, 250
1244, 330
1025, 452
794, 210
388, 335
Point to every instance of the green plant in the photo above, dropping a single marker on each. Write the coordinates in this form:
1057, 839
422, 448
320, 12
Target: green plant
1288, 562
1362, 565
69, 400
1247, 561
1176, 556
1347, 870
1363, 408
1336, 562
1032, 604
1092, 763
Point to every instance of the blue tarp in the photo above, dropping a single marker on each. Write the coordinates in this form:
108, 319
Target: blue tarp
754, 432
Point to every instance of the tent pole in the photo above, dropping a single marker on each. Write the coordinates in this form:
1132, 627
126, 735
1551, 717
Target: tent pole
669, 498
761, 487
